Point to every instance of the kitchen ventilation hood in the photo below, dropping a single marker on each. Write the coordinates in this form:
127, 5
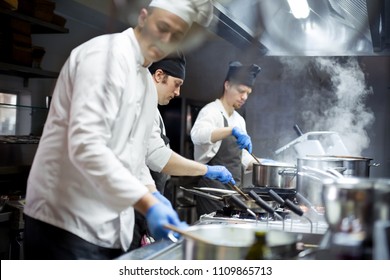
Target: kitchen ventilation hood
333, 27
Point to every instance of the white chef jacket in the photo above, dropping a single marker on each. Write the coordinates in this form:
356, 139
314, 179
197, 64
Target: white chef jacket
210, 118
90, 165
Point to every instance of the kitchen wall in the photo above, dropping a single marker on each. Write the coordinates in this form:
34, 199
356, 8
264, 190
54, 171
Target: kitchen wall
284, 88
278, 100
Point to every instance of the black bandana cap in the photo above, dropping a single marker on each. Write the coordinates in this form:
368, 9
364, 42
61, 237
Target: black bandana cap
242, 74
174, 65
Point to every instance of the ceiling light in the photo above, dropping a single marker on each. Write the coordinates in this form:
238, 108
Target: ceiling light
299, 8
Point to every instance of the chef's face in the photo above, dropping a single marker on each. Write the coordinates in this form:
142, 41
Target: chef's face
168, 87
159, 32
236, 94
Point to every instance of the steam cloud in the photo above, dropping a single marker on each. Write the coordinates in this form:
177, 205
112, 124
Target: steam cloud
335, 102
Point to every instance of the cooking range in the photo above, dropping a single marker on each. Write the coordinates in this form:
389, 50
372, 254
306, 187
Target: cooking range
279, 216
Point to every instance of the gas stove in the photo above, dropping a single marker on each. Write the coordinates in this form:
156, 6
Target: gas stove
265, 221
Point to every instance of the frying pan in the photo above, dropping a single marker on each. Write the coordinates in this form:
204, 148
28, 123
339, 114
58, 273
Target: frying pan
225, 196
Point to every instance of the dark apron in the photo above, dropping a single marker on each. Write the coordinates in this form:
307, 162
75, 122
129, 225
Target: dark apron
228, 155
161, 178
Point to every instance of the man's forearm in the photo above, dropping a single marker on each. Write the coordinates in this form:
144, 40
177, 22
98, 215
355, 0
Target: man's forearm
220, 134
180, 166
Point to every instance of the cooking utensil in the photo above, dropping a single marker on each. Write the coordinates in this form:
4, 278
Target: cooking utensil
228, 242
187, 234
256, 159
349, 205
264, 204
298, 130
235, 200
276, 175
222, 191
311, 171
354, 166
287, 203
251, 204
237, 189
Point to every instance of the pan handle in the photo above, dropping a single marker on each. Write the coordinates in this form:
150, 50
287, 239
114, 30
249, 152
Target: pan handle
288, 203
260, 202
203, 194
239, 203
298, 130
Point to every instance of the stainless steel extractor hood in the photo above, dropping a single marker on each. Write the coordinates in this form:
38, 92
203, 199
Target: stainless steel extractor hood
332, 28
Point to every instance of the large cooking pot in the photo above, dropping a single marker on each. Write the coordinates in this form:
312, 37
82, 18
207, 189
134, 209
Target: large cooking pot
275, 175
353, 166
226, 242
311, 171
232, 242
349, 205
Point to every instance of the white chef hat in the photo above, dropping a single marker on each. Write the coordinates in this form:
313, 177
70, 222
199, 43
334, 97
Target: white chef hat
199, 11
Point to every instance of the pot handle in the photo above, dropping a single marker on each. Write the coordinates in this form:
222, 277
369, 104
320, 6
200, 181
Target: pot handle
374, 164
288, 172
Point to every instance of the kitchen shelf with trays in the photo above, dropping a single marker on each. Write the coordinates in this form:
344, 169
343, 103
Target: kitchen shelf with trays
37, 27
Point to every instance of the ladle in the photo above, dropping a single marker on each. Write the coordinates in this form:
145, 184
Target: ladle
256, 159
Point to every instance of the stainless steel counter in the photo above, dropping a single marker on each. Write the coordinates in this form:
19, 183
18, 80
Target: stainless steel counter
309, 233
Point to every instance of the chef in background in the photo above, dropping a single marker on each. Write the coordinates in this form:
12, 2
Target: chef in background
90, 170
219, 133
168, 75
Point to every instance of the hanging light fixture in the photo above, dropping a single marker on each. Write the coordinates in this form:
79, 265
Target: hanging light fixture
299, 8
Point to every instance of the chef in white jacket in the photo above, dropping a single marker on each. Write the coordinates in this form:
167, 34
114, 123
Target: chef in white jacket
90, 170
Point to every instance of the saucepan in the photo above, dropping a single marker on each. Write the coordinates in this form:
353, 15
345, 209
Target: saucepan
274, 174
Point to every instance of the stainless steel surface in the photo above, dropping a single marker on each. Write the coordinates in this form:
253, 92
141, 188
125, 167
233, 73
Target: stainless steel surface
226, 199
167, 250
274, 175
382, 199
226, 242
349, 205
309, 178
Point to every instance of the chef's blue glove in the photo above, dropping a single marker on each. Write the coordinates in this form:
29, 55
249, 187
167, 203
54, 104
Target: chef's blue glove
220, 173
243, 139
162, 198
159, 215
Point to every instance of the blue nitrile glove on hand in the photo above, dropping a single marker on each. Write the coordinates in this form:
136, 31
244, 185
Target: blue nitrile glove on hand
162, 198
220, 173
159, 215
243, 139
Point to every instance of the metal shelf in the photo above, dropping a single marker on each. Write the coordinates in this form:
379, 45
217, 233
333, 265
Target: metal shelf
37, 26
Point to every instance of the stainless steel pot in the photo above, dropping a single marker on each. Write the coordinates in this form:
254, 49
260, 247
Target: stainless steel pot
278, 175
382, 199
226, 242
349, 205
311, 171
232, 242
353, 166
